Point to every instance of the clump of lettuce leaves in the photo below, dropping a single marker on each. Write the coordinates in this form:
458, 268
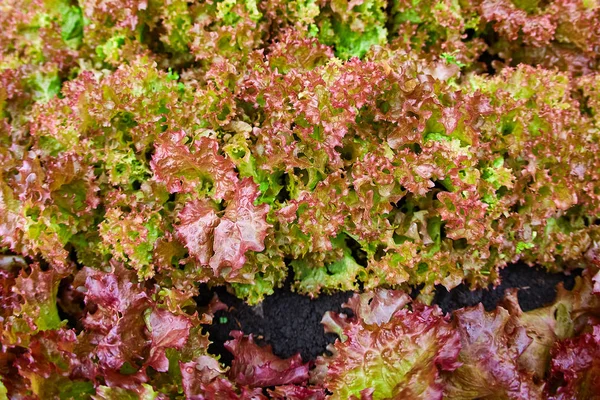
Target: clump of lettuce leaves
149, 149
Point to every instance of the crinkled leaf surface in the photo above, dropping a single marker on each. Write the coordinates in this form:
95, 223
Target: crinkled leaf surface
390, 350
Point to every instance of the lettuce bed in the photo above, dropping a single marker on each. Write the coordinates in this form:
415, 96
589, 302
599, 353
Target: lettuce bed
149, 149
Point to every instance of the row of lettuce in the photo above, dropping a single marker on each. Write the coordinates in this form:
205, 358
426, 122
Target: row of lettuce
385, 171
136, 342
53, 37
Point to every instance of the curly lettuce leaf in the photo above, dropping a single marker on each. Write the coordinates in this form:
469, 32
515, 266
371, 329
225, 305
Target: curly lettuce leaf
388, 350
342, 274
203, 170
257, 366
221, 242
575, 368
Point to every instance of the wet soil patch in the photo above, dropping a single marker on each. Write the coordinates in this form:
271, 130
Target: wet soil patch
291, 323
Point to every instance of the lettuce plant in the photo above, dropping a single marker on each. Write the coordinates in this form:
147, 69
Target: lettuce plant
148, 149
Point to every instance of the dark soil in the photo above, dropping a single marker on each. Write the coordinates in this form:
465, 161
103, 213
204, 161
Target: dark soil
291, 323
537, 288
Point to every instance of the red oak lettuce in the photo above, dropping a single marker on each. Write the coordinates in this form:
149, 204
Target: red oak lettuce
148, 148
